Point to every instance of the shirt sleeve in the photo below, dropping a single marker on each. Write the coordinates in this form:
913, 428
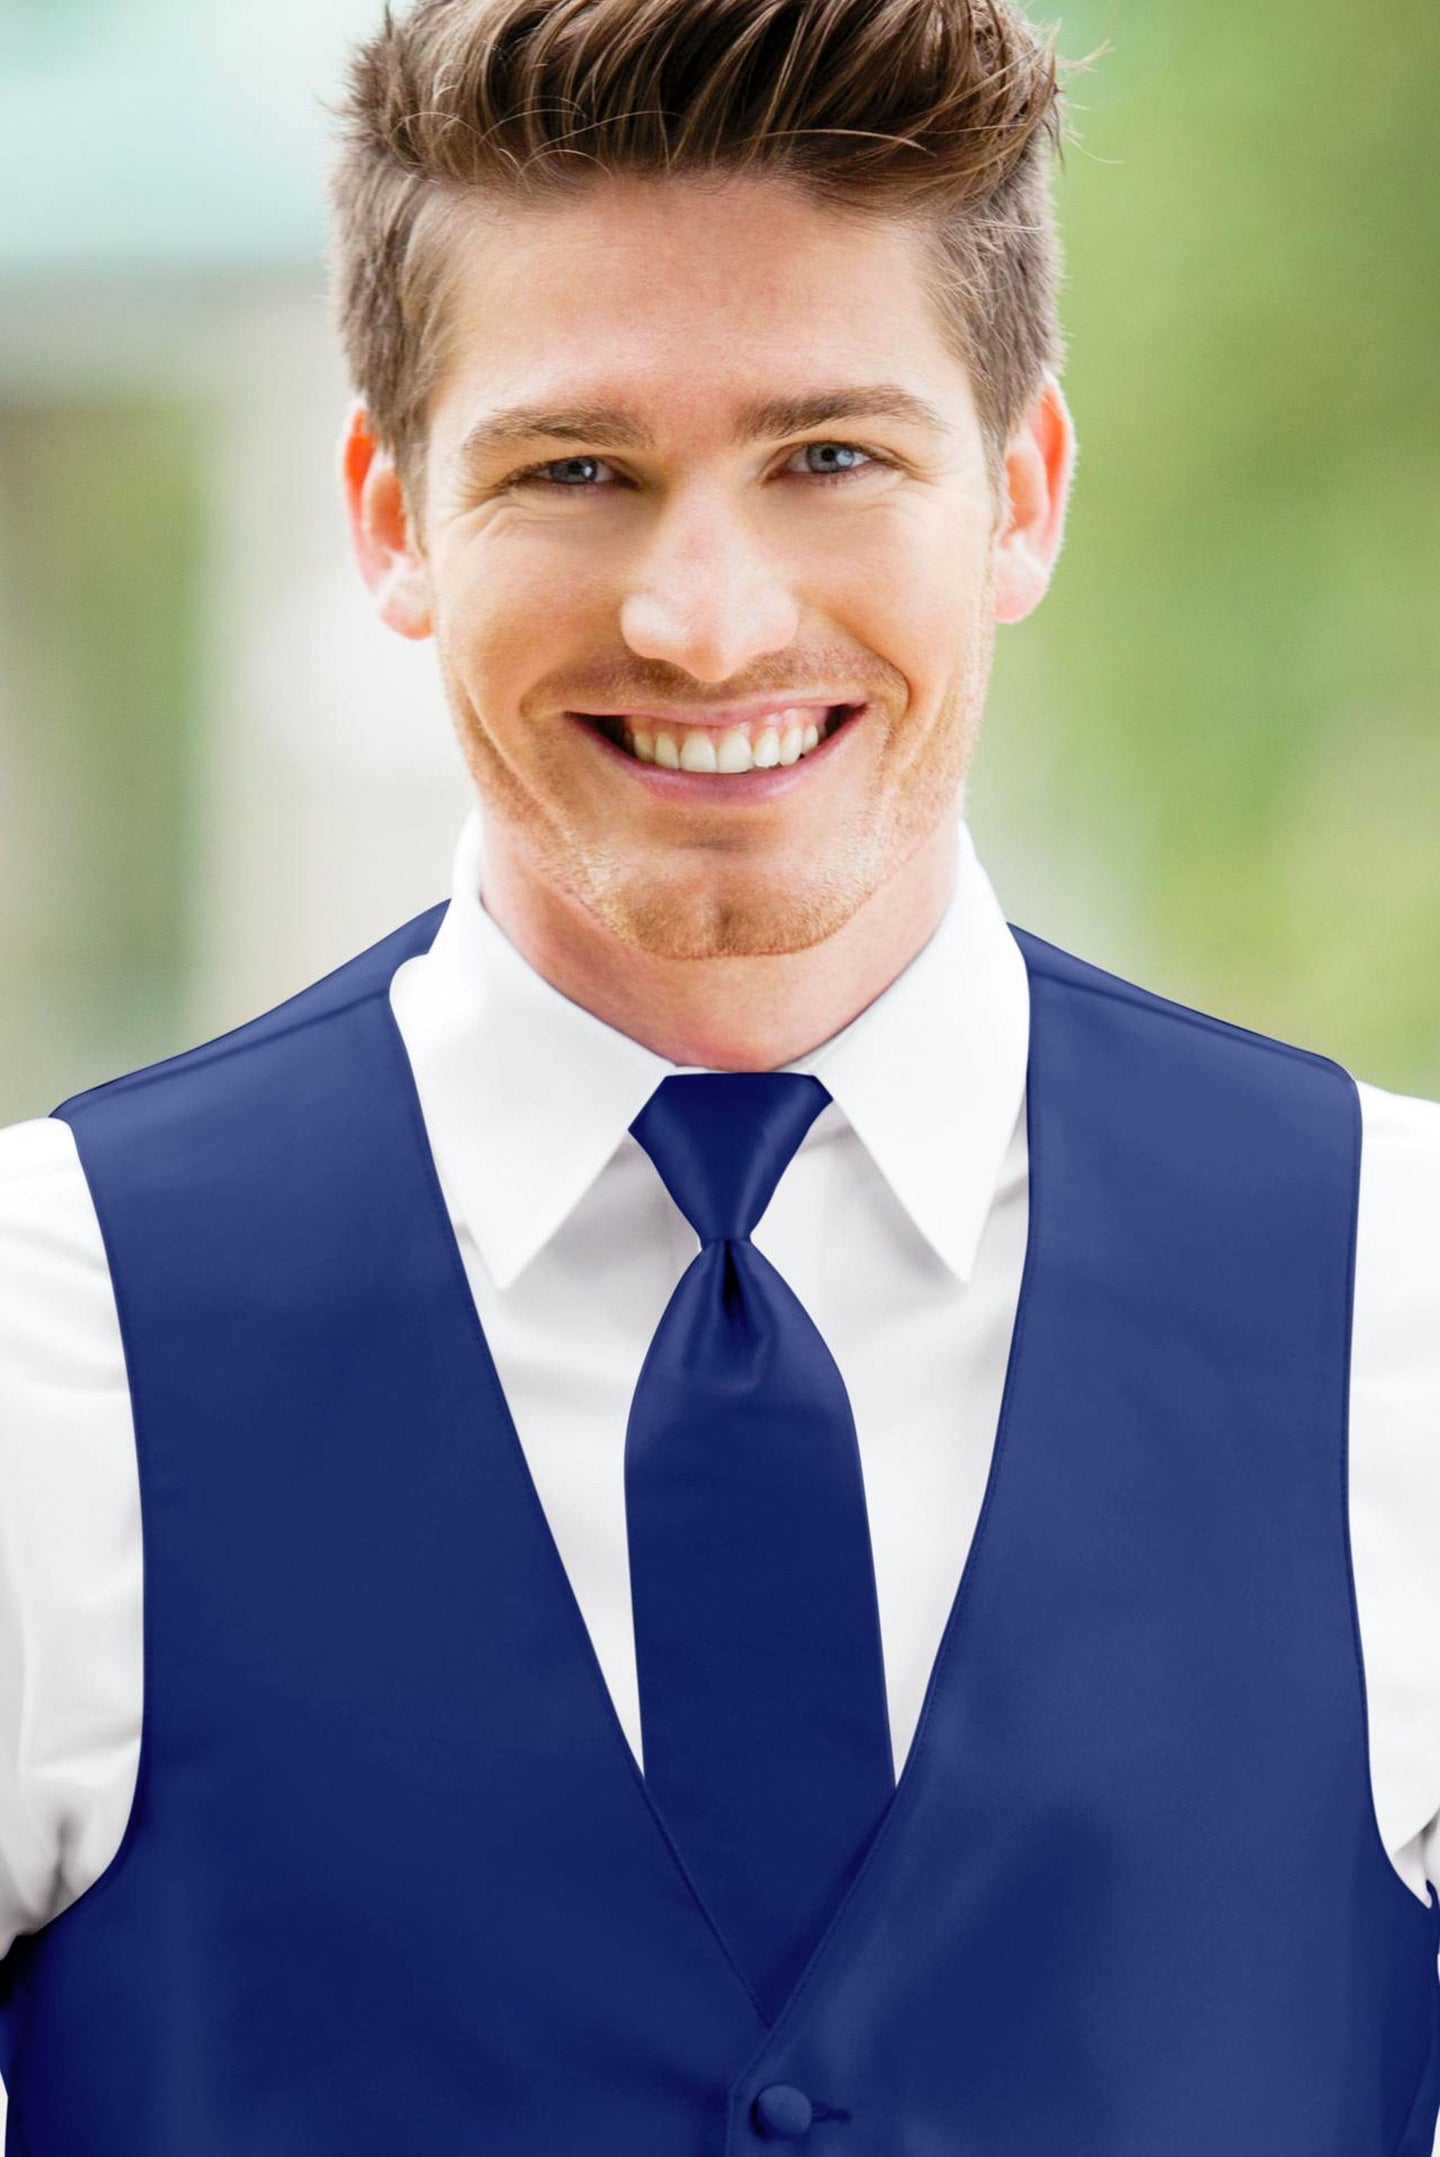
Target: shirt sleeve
71, 1669
1395, 1469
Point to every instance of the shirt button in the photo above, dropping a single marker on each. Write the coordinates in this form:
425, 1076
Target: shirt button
783, 2113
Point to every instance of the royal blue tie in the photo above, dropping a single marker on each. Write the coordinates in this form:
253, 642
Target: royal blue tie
764, 1727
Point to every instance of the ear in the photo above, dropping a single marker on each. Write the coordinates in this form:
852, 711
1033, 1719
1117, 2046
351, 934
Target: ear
1039, 464
386, 546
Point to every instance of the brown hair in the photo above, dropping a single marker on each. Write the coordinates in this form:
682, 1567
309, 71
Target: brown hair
936, 111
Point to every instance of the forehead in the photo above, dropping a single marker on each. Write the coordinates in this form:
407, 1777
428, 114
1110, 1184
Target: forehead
689, 291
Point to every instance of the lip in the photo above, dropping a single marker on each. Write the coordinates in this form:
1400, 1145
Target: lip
711, 788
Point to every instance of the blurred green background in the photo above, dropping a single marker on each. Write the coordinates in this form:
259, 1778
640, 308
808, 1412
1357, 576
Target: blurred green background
1218, 741
1212, 759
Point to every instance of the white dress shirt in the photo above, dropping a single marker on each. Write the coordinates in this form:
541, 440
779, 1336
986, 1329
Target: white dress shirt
568, 1235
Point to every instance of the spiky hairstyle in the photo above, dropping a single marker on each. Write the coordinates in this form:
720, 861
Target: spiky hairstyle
941, 112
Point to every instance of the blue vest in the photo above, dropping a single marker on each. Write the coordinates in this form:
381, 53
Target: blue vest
392, 1885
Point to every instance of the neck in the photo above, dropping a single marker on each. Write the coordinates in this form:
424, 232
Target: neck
732, 1013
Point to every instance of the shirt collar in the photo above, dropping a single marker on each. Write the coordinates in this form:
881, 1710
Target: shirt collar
526, 1094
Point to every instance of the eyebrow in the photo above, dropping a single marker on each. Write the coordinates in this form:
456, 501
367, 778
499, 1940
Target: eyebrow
761, 417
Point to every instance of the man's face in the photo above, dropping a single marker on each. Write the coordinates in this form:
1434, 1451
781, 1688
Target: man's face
682, 566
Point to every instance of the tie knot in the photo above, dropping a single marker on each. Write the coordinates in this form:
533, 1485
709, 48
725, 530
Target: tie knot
723, 1139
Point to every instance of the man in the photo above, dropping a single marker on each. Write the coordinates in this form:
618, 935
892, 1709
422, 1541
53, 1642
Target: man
742, 1471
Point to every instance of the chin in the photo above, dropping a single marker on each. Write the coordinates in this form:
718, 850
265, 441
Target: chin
732, 918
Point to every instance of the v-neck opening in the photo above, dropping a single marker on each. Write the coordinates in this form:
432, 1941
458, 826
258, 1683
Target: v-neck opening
900, 1799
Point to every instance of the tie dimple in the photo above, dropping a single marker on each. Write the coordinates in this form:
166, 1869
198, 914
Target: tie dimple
764, 1725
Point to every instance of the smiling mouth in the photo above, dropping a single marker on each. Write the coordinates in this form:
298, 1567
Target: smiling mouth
783, 738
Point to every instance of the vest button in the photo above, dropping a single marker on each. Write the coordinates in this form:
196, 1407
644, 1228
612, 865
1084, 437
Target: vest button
783, 2113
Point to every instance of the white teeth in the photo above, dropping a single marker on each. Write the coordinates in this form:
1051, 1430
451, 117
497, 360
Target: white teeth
697, 751
782, 739
732, 752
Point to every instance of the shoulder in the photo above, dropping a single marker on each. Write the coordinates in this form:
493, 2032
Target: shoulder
1402, 1134
60, 1359
147, 1092
1049, 964
1398, 1256
1252, 1110
49, 1239
71, 1556
1394, 1461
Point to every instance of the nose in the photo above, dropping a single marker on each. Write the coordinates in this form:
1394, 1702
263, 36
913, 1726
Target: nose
705, 598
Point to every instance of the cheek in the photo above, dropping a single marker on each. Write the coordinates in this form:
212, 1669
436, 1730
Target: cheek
516, 605
484, 632
911, 617
910, 574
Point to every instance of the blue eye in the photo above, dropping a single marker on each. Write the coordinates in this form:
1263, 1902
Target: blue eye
534, 474
846, 449
556, 464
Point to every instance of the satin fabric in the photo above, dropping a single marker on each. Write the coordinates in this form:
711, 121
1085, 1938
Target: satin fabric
1090, 1918
766, 1733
